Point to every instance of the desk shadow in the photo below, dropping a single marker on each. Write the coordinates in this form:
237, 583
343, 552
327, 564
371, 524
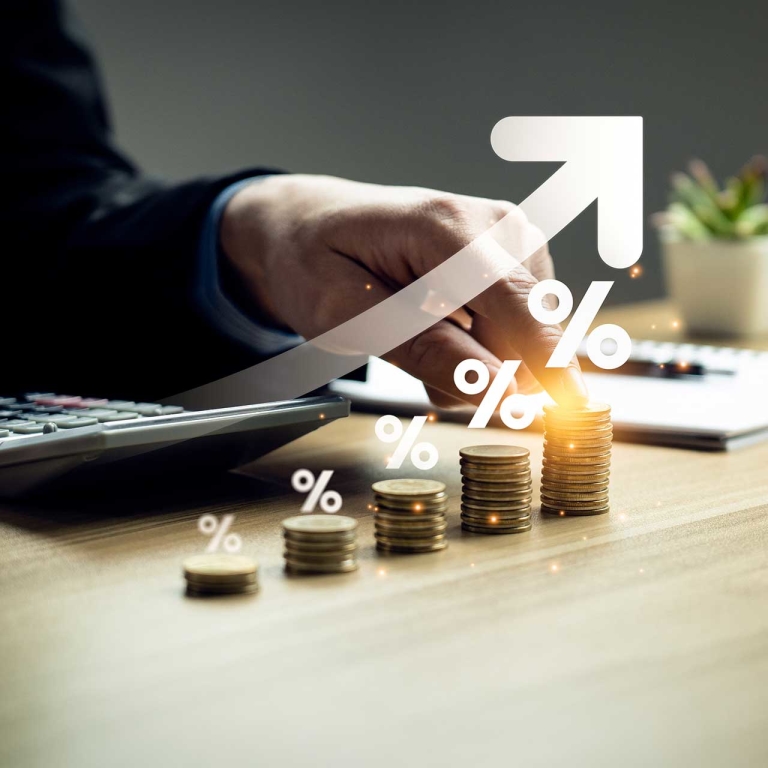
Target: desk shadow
137, 500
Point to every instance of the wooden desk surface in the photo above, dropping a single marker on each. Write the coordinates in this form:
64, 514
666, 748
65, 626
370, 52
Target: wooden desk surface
635, 638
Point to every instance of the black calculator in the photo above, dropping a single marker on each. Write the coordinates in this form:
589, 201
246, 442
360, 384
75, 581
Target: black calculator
49, 441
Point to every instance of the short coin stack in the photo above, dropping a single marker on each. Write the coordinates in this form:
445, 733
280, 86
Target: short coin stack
320, 544
496, 489
220, 574
577, 459
409, 515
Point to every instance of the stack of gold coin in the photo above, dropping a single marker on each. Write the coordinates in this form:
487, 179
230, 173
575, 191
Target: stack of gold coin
577, 460
320, 544
409, 515
496, 489
220, 574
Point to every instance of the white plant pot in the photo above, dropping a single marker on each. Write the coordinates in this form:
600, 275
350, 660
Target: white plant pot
720, 286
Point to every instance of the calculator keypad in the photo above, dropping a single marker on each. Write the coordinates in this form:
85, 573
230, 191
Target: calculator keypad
40, 413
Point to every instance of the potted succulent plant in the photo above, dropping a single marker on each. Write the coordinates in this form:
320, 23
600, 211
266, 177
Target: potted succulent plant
715, 249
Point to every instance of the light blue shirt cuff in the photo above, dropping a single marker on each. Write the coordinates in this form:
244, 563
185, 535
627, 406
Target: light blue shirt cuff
219, 310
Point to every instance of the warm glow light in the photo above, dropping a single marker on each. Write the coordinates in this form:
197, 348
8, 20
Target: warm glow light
682, 364
382, 572
653, 327
642, 570
431, 417
675, 323
562, 513
387, 459
417, 507
553, 567
368, 286
494, 518
570, 445
322, 416
370, 506
471, 565
583, 538
661, 365
622, 516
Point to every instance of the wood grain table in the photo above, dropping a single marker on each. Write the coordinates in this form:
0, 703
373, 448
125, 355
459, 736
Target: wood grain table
638, 638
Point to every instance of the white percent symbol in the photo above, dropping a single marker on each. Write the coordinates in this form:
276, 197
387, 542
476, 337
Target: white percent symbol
389, 429
210, 526
303, 480
509, 407
579, 324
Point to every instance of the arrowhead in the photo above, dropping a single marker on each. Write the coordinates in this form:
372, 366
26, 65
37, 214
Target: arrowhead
604, 160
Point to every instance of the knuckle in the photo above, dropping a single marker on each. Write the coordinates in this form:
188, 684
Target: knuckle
447, 208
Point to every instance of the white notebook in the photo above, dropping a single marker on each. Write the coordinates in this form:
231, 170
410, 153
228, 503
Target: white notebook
716, 411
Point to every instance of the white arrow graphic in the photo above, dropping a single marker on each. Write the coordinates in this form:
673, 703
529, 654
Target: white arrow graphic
603, 160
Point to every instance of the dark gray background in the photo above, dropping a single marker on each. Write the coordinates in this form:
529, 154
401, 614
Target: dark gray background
407, 93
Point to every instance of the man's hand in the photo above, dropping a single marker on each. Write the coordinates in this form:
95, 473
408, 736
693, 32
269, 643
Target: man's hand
315, 251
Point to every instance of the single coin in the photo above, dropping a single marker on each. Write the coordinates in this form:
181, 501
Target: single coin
476, 519
345, 566
402, 541
494, 531
496, 469
320, 524
478, 485
307, 560
497, 508
553, 489
414, 521
412, 505
408, 531
494, 453
570, 512
576, 472
567, 493
496, 477
496, 501
598, 430
408, 487
220, 567
570, 444
567, 455
410, 550
598, 463
570, 506
588, 409
576, 425
474, 495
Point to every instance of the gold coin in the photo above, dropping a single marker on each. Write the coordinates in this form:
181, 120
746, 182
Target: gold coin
576, 473
408, 532
345, 566
494, 530
496, 477
497, 508
494, 453
564, 497
598, 430
410, 550
469, 485
501, 498
202, 582
414, 521
404, 541
335, 539
569, 444
326, 559
412, 505
408, 487
497, 520
321, 546
569, 504
496, 469
571, 487
566, 453
319, 524
604, 459
220, 568
587, 410
564, 511
325, 551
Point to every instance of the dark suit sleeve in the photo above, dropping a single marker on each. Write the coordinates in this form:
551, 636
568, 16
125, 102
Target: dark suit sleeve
99, 260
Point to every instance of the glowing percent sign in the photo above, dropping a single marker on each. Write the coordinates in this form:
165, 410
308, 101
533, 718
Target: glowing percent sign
303, 480
389, 429
208, 525
579, 324
494, 396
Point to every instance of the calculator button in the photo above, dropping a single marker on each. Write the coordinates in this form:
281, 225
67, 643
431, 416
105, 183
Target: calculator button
170, 410
97, 413
119, 416
28, 428
19, 407
4, 433
67, 401
143, 409
6, 414
94, 402
50, 418
119, 405
12, 423
75, 423
7, 401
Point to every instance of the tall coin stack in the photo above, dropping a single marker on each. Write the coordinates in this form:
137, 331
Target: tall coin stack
320, 544
220, 574
577, 460
409, 516
496, 489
